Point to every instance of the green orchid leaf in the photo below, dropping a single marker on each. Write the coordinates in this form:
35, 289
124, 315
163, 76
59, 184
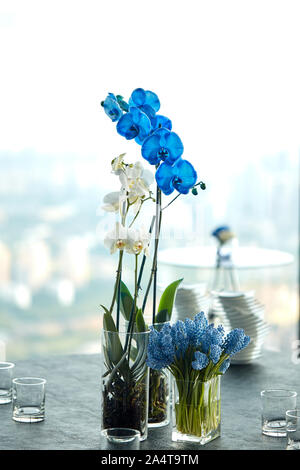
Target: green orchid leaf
126, 301
108, 321
114, 349
167, 301
140, 322
162, 316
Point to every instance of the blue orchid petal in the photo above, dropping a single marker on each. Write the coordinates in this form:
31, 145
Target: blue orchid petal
186, 176
164, 178
175, 147
142, 121
134, 124
138, 97
148, 111
162, 145
181, 176
126, 127
152, 100
161, 121
149, 149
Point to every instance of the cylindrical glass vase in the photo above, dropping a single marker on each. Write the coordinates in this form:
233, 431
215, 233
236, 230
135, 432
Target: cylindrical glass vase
159, 394
124, 381
159, 398
196, 410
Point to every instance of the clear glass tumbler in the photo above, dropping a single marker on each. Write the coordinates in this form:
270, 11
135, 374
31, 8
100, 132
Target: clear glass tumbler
6, 369
274, 404
293, 429
122, 439
29, 399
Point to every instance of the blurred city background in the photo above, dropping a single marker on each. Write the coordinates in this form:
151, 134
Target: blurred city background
235, 104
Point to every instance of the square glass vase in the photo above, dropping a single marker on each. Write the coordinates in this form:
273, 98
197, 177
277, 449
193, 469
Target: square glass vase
196, 414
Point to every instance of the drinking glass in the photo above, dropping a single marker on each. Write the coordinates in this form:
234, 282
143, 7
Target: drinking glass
29, 399
293, 429
122, 438
274, 405
6, 369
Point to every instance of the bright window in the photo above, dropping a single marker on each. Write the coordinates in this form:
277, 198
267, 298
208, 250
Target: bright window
227, 74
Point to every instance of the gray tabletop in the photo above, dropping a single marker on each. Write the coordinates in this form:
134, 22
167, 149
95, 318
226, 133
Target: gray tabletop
73, 406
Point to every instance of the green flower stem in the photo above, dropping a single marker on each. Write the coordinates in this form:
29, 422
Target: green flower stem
139, 210
136, 289
154, 261
117, 282
198, 408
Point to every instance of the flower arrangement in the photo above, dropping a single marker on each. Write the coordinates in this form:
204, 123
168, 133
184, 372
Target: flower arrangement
197, 354
125, 368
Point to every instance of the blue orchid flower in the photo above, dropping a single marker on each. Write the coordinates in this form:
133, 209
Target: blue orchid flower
162, 145
182, 176
134, 125
147, 101
159, 121
111, 107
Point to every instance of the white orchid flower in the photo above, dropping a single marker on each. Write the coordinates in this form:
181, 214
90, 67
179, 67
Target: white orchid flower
136, 182
114, 202
117, 239
117, 165
138, 240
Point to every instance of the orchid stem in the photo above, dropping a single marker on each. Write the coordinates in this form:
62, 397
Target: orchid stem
136, 290
174, 199
154, 262
118, 281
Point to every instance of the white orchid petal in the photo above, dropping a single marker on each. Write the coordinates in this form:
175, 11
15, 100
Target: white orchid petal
148, 177
124, 181
112, 198
117, 164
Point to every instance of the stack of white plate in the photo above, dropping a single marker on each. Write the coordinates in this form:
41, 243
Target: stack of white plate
242, 310
190, 300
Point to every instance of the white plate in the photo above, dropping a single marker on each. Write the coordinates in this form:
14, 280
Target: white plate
234, 295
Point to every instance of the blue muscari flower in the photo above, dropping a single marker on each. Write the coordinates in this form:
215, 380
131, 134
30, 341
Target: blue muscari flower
162, 145
211, 336
215, 353
134, 125
200, 362
224, 366
191, 331
201, 321
111, 107
182, 176
161, 350
180, 338
195, 328
146, 100
235, 341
